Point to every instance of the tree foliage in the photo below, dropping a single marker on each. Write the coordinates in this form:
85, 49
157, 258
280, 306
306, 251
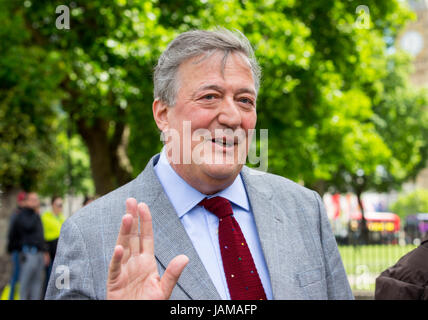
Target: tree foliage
28, 85
411, 203
394, 150
333, 99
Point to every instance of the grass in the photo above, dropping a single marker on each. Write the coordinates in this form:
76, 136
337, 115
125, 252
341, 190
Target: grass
363, 264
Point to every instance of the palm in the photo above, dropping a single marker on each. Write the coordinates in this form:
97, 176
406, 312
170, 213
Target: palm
133, 271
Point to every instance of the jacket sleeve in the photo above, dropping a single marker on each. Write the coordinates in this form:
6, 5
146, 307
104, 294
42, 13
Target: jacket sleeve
407, 279
71, 276
388, 288
337, 281
13, 240
43, 244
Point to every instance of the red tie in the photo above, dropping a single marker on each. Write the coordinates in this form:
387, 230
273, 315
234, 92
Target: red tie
241, 274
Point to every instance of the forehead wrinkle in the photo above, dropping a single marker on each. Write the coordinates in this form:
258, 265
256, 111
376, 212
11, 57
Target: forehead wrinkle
226, 55
211, 86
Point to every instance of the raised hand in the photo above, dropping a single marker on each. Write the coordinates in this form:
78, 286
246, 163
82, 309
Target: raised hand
133, 272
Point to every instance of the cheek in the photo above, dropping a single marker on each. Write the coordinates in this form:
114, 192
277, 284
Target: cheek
202, 118
249, 120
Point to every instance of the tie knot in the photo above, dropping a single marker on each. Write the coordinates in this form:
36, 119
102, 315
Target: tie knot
220, 206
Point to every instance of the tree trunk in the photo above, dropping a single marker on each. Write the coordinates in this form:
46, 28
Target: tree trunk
121, 165
319, 186
364, 229
107, 167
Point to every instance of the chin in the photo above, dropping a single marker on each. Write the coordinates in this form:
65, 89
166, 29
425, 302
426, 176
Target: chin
222, 171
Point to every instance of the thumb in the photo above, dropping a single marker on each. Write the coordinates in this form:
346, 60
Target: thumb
172, 273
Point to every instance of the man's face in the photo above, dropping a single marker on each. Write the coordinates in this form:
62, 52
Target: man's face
221, 103
33, 201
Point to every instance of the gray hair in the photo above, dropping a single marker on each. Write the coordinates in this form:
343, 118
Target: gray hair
193, 44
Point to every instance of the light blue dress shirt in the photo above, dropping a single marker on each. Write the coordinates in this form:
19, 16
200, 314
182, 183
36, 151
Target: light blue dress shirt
202, 225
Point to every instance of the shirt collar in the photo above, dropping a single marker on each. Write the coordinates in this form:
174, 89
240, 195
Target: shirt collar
184, 197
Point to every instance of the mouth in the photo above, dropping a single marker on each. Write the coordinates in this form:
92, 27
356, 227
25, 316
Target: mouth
225, 142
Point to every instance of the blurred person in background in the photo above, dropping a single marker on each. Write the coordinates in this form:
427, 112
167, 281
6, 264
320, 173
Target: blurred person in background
52, 222
13, 244
408, 278
28, 232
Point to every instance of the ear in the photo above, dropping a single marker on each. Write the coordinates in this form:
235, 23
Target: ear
160, 114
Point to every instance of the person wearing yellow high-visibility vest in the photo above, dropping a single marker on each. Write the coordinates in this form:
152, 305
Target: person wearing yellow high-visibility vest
52, 222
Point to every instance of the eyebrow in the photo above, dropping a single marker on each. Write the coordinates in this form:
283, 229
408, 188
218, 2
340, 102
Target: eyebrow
246, 90
220, 89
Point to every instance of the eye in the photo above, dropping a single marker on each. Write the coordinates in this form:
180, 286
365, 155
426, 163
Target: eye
246, 101
209, 97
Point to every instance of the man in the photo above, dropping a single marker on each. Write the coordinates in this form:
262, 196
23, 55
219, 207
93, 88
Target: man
208, 229
28, 230
408, 278
13, 246
52, 222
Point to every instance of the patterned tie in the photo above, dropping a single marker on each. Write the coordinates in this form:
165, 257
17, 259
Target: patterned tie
241, 274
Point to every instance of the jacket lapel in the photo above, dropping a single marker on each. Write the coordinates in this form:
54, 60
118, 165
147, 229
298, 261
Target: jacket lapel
279, 236
171, 238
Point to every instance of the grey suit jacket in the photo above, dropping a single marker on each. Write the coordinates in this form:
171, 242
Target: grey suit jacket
298, 244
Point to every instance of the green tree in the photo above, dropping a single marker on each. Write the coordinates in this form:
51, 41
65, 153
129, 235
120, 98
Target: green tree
411, 203
108, 55
323, 77
394, 149
69, 171
28, 88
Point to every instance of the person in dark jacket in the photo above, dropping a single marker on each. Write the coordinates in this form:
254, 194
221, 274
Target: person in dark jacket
407, 279
13, 245
28, 231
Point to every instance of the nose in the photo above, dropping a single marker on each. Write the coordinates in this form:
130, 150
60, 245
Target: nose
230, 115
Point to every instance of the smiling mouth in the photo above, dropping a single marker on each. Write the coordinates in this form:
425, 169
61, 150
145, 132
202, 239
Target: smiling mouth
224, 142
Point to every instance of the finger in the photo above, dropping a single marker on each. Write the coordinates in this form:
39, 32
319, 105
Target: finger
146, 235
134, 241
172, 273
115, 263
124, 234
131, 208
125, 230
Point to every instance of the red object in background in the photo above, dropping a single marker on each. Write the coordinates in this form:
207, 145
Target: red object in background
21, 196
378, 217
336, 202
